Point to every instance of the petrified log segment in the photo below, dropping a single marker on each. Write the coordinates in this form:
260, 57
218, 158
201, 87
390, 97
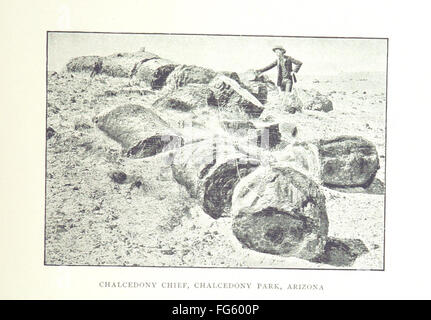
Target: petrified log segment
115, 65
121, 64
348, 161
229, 94
139, 130
154, 72
187, 74
280, 211
341, 162
210, 170
82, 64
185, 98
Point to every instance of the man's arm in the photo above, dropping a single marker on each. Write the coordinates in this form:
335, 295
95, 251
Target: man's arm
297, 64
272, 65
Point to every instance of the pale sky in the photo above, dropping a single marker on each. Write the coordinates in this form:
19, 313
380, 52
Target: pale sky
227, 53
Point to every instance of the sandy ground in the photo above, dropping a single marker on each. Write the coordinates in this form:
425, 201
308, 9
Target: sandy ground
151, 220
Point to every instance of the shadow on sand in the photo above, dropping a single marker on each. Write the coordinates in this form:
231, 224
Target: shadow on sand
376, 187
341, 252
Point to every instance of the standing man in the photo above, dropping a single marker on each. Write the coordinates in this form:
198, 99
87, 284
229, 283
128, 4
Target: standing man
284, 64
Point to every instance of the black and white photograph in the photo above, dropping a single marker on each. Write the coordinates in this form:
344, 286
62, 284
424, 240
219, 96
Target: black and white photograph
215, 151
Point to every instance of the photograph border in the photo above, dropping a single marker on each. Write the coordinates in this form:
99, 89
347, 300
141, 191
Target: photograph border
220, 35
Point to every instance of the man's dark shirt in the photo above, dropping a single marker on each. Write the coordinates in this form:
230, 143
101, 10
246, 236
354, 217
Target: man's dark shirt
285, 68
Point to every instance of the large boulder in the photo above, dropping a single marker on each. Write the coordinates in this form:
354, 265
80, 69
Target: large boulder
281, 211
227, 93
140, 131
209, 170
314, 100
185, 98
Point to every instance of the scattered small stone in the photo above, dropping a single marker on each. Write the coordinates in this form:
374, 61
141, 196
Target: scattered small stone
168, 252
53, 74
110, 93
118, 177
137, 184
50, 132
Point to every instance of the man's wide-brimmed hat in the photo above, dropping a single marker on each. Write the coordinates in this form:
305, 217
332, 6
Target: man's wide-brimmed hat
279, 48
